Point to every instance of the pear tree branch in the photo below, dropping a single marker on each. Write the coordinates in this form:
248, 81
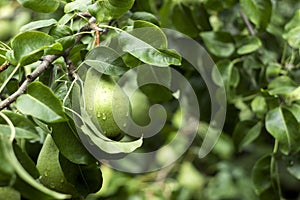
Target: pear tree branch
45, 64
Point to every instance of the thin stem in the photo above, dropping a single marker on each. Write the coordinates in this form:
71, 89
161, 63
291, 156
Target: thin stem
82, 33
5, 45
3, 48
248, 24
110, 27
11, 126
274, 169
84, 15
2, 56
75, 113
284, 53
69, 91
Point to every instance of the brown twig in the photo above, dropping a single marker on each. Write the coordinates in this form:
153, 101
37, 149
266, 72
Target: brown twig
46, 63
4, 66
71, 67
47, 60
248, 24
70, 64
97, 39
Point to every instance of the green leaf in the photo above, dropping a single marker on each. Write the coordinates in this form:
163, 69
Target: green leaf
145, 34
24, 127
293, 23
29, 47
225, 68
294, 95
248, 45
40, 102
106, 10
20, 133
78, 5
66, 18
109, 146
85, 178
131, 61
295, 110
293, 37
71, 148
145, 16
182, 19
60, 31
245, 132
261, 176
258, 11
106, 61
26, 161
149, 46
63, 35
292, 31
283, 126
45, 6
273, 70
100, 143
235, 77
38, 24
282, 85
281, 80
259, 106
141, 24
219, 43
12, 86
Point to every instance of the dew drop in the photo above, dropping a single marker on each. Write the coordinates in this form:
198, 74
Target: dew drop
104, 116
291, 163
104, 132
98, 114
46, 174
124, 125
62, 180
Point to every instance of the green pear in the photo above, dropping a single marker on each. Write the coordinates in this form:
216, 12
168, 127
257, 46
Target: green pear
102, 95
50, 170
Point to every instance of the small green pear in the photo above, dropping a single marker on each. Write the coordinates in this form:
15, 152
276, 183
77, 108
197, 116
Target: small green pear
50, 170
